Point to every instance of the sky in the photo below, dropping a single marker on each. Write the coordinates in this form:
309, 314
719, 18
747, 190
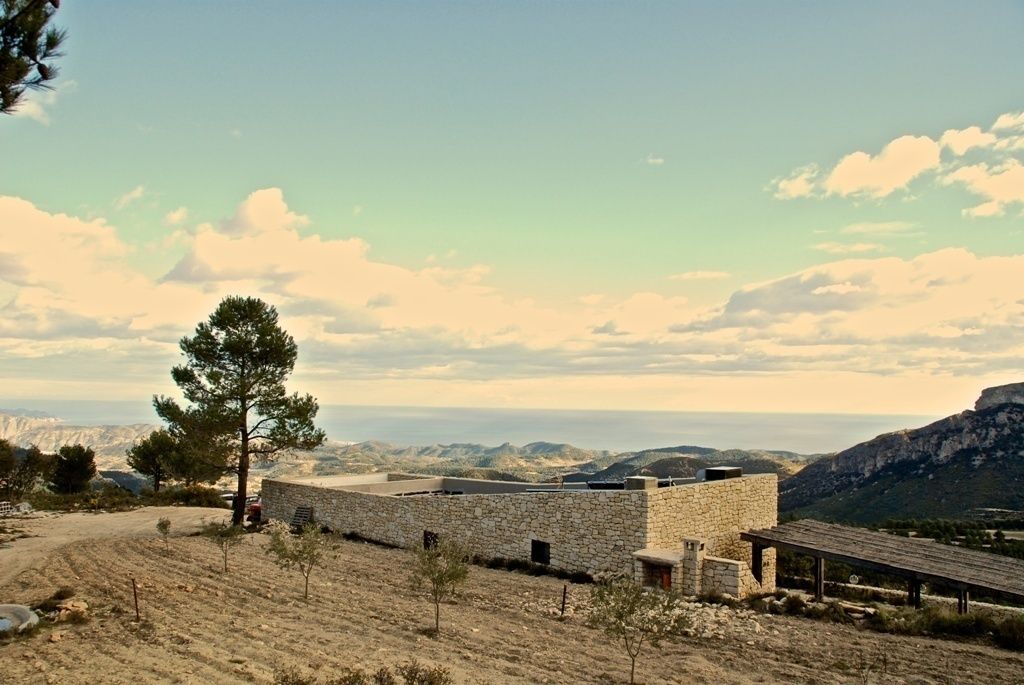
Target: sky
734, 206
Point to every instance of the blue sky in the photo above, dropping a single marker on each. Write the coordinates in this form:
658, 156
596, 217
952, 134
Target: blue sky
531, 204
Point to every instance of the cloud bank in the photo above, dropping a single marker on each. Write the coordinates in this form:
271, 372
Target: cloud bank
79, 317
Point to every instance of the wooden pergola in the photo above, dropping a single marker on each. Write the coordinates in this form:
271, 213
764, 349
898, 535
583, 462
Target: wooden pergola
916, 560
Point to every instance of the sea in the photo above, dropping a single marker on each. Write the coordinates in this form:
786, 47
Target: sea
616, 431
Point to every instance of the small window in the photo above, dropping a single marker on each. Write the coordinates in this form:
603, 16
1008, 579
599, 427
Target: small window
540, 552
430, 539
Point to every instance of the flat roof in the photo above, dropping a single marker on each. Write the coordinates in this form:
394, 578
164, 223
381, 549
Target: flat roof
912, 558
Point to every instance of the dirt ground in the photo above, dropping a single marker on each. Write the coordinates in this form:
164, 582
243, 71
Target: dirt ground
203, 626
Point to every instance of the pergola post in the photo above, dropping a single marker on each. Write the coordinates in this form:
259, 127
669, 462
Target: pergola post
914, 593
963, 597
819, 578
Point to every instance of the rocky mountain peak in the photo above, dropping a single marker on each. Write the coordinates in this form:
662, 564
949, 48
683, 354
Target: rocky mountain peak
1012, 393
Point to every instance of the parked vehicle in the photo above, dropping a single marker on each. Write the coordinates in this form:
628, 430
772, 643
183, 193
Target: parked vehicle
254, 509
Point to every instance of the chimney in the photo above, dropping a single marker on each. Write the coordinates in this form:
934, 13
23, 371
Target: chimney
722, 472
641, 483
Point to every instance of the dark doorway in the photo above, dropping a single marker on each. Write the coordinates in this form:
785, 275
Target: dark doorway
540, 552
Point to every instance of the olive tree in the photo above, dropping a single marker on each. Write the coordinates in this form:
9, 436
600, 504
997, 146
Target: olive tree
442, 567
635, 615
163, 526
303, 551
233, 380
224, 535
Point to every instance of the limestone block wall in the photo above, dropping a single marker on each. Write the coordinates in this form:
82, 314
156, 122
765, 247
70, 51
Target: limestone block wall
590, 531
723, 575
715, 512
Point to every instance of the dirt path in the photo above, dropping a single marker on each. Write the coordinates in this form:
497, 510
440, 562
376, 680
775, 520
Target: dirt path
202, 626
50, 531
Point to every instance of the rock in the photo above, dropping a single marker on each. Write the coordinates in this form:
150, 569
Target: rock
1012, 393
56, 637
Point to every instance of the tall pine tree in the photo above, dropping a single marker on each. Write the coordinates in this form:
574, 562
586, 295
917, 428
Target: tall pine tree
233, 379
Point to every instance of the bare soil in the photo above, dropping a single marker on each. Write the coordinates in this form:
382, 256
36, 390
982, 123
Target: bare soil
200, 625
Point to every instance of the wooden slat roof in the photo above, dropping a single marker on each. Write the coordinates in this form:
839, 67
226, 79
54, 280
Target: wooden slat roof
908, 557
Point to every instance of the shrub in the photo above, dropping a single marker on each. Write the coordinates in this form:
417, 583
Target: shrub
411, 673
1010, 633
943, 621
795, 604
192, 496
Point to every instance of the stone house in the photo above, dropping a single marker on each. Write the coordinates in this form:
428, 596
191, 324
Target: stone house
686, 535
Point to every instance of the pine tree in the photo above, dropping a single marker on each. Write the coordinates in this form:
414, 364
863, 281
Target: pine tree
234, 379
27, 48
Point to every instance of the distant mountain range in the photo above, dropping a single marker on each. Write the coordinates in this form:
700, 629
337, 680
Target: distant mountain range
950, 468
50, 434
536, 461
685, 461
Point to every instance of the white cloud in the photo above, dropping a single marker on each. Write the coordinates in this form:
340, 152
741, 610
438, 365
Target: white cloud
176, 216
801, 183
879, 228
655, 160
960, 141
1009, 121
992, 170
35, 104
264, 211
131, 196
700, 276
848, 248
899, 163
1000, 185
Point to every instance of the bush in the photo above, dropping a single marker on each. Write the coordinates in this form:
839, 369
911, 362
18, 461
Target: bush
411, 673
795, 605
943, 621
533, 569
1010, 633
193, 496
110, 497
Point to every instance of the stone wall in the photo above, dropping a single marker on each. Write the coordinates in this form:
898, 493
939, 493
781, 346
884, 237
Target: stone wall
590, 531
724, 576
715, 512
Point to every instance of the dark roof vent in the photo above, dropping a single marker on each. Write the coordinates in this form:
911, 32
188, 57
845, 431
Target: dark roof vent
722, 472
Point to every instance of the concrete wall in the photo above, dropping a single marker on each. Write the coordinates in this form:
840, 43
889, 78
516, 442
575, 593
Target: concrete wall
591, 531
